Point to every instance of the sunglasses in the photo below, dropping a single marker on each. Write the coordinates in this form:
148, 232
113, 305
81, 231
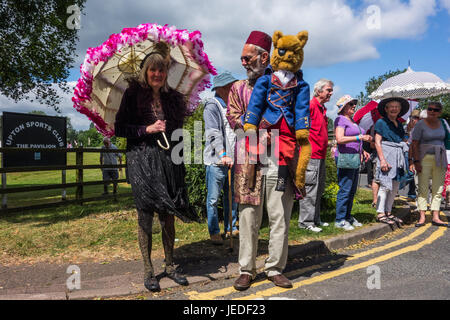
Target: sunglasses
247, 59
434, 109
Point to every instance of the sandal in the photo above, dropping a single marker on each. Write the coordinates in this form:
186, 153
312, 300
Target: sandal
398, 221
384, 219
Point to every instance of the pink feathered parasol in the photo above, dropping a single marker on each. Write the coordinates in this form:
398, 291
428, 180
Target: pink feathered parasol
106, 68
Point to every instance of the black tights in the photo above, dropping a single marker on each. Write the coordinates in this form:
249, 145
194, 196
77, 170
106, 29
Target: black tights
167, 222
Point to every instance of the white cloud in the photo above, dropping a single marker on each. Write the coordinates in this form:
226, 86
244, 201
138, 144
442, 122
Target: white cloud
338, 30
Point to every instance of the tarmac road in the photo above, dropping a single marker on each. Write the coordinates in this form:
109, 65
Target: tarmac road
407, 263
410, 263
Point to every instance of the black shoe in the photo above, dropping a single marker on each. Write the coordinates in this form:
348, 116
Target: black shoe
178, 278
152, 284
418, 225
438, 224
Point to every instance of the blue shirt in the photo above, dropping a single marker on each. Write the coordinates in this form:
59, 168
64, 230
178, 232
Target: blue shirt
387, 129
270, 101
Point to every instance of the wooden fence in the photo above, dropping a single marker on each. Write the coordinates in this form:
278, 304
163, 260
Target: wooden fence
79, 184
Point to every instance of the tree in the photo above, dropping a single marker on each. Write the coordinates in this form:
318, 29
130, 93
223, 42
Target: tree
38, 40
72, 134
90, 138
444, 99
373, 83
38, 112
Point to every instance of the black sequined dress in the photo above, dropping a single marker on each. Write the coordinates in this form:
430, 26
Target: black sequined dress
158, 184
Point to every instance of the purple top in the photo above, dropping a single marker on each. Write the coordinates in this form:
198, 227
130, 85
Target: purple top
350, 129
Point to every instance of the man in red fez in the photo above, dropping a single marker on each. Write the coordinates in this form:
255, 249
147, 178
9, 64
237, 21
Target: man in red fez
255, 55
255, 58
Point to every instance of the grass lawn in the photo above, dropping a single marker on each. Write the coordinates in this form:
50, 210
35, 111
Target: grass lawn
36, 178
105, 231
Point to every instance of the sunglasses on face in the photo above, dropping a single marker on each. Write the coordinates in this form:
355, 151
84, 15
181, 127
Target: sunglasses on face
247, 59
434, 109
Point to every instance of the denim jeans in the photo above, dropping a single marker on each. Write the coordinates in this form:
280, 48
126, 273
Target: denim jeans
216, 180
348, 183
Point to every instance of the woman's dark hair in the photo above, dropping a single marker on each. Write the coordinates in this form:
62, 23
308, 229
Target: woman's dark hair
436, 105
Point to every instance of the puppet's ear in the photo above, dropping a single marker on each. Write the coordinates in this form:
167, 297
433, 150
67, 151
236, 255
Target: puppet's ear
276, 35
303, 37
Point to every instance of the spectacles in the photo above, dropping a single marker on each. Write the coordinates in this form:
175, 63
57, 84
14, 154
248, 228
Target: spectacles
434, 109
247, 59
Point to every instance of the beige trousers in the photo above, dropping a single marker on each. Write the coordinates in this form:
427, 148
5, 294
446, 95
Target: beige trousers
437, 175
279, 207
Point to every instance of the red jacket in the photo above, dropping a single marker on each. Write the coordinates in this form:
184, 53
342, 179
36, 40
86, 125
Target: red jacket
318, 132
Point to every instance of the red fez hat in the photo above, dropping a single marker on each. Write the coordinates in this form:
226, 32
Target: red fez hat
260, 39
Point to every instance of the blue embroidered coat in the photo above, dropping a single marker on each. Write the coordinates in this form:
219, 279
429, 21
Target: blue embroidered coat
271, 100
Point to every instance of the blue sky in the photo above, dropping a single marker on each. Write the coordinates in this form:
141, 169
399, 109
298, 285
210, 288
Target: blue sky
340, 47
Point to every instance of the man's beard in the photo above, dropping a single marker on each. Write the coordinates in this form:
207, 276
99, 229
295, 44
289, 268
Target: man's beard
254, 73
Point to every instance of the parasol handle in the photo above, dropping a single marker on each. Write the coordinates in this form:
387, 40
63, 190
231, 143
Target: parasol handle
166, 142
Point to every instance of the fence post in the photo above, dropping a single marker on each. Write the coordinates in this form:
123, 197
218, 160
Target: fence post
5, 196
79, 175
63, 180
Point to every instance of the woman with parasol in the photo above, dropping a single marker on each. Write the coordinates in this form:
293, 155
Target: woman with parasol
390, 143
149, 108
127, 89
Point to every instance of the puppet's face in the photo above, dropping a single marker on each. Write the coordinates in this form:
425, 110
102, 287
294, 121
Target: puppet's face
288, 51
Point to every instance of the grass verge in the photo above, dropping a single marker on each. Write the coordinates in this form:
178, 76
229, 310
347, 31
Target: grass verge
106, 231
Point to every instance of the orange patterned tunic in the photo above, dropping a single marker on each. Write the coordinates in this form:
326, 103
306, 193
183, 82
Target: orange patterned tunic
238, 100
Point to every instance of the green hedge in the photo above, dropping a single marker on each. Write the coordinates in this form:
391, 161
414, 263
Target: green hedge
196, 173
328, 200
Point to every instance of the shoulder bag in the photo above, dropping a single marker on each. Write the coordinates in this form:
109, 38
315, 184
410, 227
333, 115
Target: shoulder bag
447, 134
350, 160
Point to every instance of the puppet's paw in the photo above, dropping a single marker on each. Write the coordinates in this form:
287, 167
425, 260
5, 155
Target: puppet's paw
249, 126
302, 135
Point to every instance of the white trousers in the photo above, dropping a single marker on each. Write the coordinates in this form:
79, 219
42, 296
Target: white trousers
386, 198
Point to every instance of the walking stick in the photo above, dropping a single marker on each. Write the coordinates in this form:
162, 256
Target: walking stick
230, 213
